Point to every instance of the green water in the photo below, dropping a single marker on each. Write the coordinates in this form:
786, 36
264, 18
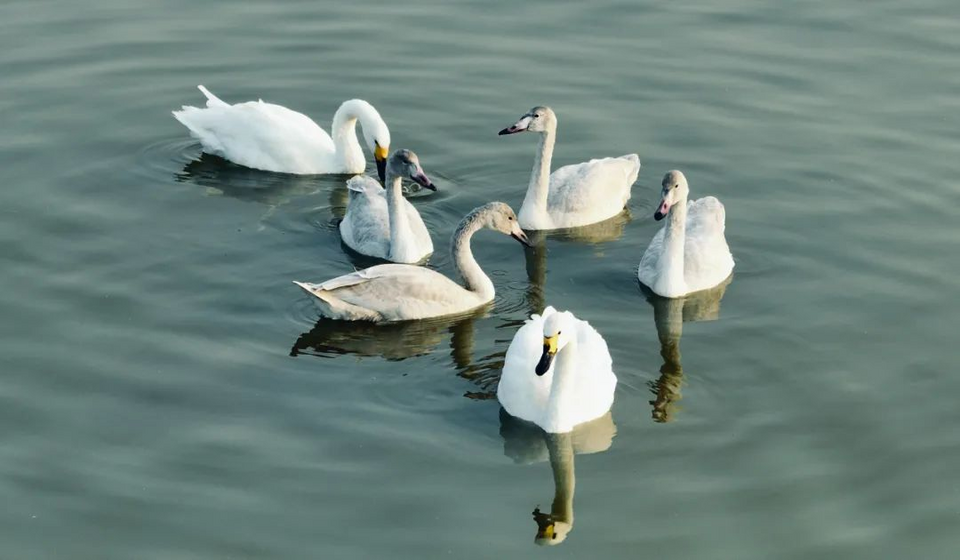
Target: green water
166, 392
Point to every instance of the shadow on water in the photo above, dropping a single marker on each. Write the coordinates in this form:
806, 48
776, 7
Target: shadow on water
526, 443
254, 185
669, 316
391, 341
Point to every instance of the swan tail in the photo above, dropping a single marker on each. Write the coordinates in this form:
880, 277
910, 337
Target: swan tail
334, 307
633, 170
212, 100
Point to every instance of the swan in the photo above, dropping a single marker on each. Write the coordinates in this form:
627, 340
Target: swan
574, 195
273, 138
579, 388
689, 253
381, 223
401, 292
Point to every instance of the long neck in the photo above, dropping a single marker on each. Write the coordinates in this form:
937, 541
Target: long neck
540, 178
473, 277
562, 397
673, 239
344, 133
399, 225
560, 447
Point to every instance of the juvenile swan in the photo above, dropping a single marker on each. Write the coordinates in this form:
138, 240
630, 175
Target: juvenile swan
690, 252
273, 138
574, 195
400, 292
557, 373
381, 223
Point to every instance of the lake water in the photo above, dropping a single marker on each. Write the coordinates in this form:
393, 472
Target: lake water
166, 392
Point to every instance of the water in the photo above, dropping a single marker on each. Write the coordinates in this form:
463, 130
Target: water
168, 393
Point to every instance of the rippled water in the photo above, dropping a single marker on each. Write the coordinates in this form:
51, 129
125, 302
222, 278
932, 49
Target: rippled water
166, 392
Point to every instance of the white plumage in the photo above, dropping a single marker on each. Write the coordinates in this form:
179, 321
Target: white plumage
381, 223
573, 195
400, 292
579, 384
690, 252
273, 138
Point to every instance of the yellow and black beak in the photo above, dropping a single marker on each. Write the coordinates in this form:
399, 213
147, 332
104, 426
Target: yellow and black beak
549, 351
380, 155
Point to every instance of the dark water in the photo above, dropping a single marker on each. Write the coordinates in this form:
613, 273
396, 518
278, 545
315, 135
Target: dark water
166, 392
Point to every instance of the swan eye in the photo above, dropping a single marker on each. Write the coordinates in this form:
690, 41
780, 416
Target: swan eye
510, 218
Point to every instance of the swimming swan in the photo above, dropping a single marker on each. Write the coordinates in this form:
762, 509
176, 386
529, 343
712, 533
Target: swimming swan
381, 223
273, 138
557, 373
574, 195
400, 292
689, 253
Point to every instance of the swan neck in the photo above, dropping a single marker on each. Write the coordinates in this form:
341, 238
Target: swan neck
344, 133
673, 241
473, 276
399, 225
540, 178
560, 447
562, 398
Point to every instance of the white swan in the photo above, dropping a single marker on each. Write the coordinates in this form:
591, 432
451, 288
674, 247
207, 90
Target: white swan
557, 397
689, 253
400, 292
574, 195
273, 138
381, 223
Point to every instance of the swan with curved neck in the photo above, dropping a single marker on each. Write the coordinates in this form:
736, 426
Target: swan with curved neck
273, 138
690, 252
557, 373
574, 195
400, 292
381, 223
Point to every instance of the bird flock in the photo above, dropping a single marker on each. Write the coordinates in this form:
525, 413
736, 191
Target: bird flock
558, 372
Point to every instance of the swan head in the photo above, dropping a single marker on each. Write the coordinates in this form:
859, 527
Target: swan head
375, 133
558, 331
404, 163
498, 216
538, 119
550, 531
674, 191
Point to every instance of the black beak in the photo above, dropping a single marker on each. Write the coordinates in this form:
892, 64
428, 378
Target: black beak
658, 215
382, 171
522, 238
512, 129
545, 360
424, 181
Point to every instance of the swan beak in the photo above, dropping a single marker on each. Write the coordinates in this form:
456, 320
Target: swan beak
549, 351
520, 126
662, 210
518, 234
380, 155
421, 179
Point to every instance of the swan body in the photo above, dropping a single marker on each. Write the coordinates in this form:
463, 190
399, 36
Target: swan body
557, 394
400, 292
273, 138
574, 195
381, 223
690, 252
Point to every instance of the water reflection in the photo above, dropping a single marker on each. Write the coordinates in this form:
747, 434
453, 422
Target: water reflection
524, 442
669, 316
253, 185
391, 341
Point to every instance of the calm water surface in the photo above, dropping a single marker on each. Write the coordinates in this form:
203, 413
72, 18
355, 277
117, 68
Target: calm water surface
166, 392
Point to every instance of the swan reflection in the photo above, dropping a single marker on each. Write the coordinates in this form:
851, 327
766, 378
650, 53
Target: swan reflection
526, 443
392, 341
669, 314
